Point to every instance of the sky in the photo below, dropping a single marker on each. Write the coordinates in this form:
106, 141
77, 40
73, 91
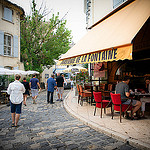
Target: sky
75, 16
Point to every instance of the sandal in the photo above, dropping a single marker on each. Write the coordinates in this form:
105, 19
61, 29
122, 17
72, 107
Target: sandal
16, 126
13, 125
127, 116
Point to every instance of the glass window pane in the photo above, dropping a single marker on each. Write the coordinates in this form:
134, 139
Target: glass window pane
5, 50
5, 39
9, 40
9, 50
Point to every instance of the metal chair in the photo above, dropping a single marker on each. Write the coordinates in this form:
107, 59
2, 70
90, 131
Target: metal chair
84, 94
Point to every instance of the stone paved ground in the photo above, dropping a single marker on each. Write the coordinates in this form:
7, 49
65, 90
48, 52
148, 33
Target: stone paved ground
44, 126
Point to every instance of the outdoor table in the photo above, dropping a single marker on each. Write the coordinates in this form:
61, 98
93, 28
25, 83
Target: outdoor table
142, 94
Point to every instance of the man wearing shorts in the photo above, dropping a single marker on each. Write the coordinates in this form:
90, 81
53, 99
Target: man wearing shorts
16, 90
34, 84
123, 89
60, 86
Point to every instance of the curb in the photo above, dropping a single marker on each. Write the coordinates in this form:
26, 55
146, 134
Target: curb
111, 133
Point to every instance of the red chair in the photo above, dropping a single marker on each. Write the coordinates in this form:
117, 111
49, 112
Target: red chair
118, 106
99, 102
84, 94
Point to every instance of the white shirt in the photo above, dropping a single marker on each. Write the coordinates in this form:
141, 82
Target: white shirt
71, 82
16, 90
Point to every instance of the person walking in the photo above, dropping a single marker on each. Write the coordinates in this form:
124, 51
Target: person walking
16, 90
51, 84
27, 87
34, 84
71, 84
60, 86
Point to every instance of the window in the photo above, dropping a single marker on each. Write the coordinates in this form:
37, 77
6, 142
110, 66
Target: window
7, 14
116, 3
7, 44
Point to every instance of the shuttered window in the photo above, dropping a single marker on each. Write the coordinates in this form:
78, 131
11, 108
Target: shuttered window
8, 14
7, 45
1, 43
15, 46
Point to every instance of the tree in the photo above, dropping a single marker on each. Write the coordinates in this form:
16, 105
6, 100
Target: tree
43, 41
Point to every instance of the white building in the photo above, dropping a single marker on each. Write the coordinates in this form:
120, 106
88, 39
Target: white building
10, 16
97, 9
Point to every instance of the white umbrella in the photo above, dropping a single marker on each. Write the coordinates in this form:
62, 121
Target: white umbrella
21, 72
4, 71
67, 70
75, 69
32, 72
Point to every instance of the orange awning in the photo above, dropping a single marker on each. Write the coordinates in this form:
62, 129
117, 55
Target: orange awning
114, 34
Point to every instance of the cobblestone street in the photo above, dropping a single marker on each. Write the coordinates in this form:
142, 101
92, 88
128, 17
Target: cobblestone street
45, 126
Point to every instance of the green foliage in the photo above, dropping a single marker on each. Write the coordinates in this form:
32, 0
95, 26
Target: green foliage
85, 66
82, 77
11, 78
41, 41
3, 78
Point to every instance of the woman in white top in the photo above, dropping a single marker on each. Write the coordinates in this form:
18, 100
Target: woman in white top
16, 90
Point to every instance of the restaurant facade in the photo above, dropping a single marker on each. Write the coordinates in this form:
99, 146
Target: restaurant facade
120, 41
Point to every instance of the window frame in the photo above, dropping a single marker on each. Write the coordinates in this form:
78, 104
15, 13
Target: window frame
118, 3
6, 19
7, 45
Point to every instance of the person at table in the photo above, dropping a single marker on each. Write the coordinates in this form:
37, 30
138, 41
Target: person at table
27, 87
123, 89
145, 100
147, 86
16, 90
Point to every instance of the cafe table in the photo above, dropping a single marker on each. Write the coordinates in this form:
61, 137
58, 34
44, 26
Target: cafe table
141, 94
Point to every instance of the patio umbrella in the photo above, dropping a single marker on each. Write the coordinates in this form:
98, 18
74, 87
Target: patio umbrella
4, 71
21, 72
32, 72
75, 69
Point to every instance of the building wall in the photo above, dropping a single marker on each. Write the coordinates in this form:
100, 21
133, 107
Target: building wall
47, 72
13, 29
97, 9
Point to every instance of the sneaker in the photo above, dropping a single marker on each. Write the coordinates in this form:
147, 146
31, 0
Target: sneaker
61, 99
52, 103
58, 100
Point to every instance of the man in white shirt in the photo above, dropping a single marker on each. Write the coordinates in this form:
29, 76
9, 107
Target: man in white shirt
16, 90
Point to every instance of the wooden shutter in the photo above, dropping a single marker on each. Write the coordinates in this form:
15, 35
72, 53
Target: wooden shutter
1, 43
15, 48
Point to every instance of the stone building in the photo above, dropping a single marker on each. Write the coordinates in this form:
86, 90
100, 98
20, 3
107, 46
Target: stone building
10, 16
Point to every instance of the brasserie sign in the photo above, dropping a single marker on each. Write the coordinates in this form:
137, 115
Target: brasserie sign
101, 56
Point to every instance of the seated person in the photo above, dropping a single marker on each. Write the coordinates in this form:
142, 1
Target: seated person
123, 89
145, 100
